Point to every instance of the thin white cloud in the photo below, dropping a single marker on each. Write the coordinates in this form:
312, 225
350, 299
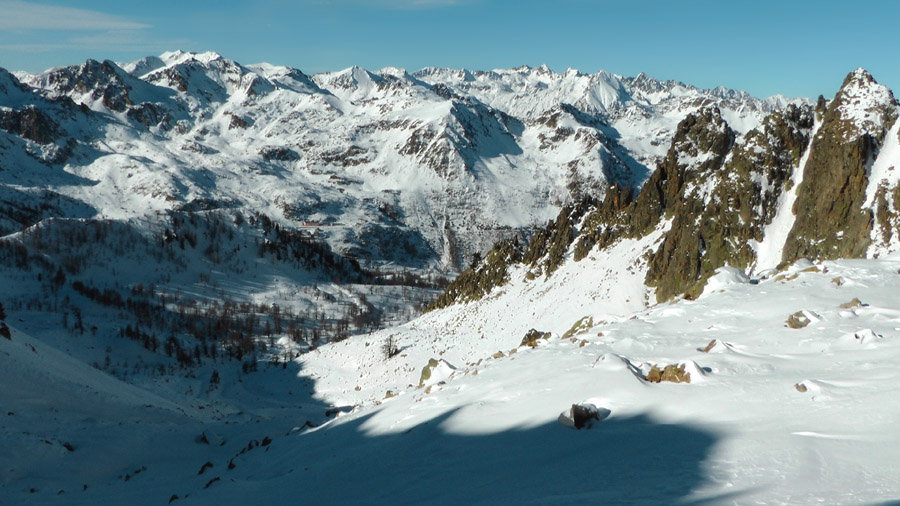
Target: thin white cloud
397, 4
21, 16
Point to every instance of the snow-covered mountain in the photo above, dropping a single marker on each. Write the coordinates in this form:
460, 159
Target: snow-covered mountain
703, 280
448, 160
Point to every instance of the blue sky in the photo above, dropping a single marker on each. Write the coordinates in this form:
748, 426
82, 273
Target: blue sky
793, 47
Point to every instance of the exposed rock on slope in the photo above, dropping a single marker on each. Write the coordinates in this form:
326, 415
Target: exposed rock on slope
831, 219
715, 193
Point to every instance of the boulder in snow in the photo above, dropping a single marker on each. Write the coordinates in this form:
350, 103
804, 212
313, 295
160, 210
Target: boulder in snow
798, 320
435, 371
583, 415
670, 373
853, 303
532, 337
726, 276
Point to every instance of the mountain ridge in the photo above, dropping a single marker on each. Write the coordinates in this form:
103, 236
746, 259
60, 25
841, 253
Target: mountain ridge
400, 125
718, 197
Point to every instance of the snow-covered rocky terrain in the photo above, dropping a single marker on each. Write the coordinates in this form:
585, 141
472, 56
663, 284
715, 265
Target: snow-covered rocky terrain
444, 161
213, 276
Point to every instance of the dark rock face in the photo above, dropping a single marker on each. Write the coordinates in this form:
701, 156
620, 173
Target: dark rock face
695, 157
283, 154
830, 220
477, 281
149, 115
548, 246
30, 123
714, 224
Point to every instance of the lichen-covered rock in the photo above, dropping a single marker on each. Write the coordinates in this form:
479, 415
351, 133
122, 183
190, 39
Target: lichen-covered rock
670, 373
724, 202
887, 213
797, 320
581, 325
426, 371
548, 246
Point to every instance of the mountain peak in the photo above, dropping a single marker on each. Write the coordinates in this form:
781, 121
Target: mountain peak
860, 76
868, 105
178, 56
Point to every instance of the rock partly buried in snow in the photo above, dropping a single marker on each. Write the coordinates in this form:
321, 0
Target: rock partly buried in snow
532, 337
581, 325
709, 346
436, 371
798, 320
853, 303
582, 416
670, 373
862, 336
426, 371
801, 388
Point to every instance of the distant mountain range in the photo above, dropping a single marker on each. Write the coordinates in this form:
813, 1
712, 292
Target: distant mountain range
441, 161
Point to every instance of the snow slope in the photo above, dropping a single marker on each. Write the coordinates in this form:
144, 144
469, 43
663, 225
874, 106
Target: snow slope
741, 432
772, 414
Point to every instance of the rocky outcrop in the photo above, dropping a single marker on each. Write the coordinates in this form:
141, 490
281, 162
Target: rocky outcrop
30, 123
482, 277
726, 202
831, 221
101, 81
533, 337
683, 191
716, 193
669, 373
